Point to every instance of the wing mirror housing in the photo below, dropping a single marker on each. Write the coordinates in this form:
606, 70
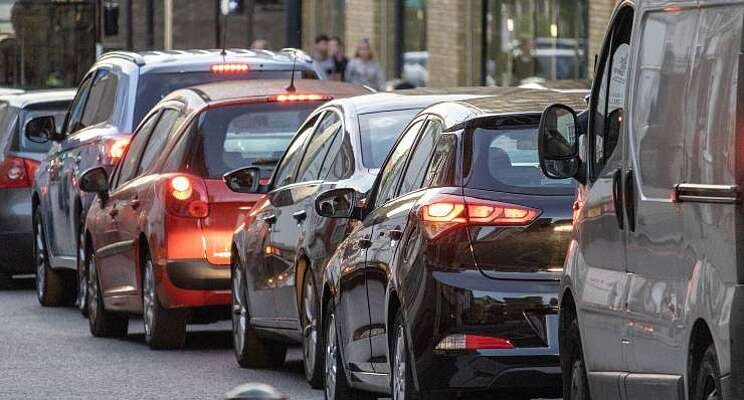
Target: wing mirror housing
95, 180
339, 203
245, 180
42, 129
558, 143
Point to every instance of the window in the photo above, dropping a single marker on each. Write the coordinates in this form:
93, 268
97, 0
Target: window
414, 56
339, 163
378, 132
285, 172
332, 16
180, 152
101, 100
416, 170
317, 149
441, 170
76, 111
128, 166
394, 167
534, 40
169, 121
110, 18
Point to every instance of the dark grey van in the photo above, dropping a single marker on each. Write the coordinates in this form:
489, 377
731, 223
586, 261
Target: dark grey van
653, 284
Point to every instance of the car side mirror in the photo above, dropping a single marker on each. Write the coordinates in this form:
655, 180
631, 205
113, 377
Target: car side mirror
337, 203
244, 180
95, 180
41, 129
558, 144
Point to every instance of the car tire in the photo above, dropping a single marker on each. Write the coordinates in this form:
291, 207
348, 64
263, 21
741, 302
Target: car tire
102, 323
336, 385
251, 351
401, 376
576, 384
81, 289
165, 329
312, 346
51, 284
707, 379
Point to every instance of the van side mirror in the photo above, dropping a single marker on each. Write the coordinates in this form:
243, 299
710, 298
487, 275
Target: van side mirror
95, 180
558, 144
41, 129
337, 203
244, 180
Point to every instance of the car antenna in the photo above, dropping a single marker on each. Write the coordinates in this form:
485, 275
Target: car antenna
291, 88
223, 53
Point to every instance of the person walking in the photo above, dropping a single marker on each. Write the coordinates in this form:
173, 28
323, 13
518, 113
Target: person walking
363, 69
336, 49
321, 56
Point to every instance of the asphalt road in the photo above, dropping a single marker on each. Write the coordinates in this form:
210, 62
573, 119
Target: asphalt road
48, 353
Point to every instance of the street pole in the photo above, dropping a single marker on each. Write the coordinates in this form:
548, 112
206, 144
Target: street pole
168, 27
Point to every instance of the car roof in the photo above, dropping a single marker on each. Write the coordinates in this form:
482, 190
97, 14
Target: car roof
244, 89
38, 96
407, 99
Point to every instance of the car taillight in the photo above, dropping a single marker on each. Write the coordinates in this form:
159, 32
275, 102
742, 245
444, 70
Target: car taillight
230, 68
289, 98
186, 196
16, 172
442, 213
474, 342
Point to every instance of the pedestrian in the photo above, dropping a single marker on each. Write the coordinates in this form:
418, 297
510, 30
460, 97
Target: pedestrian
260, 44
321, 56
363, 69
340, 61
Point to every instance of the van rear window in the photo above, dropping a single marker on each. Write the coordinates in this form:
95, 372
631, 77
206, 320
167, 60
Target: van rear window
506, 160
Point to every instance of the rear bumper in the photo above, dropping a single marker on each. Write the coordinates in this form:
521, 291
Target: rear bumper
193, 283
16, 232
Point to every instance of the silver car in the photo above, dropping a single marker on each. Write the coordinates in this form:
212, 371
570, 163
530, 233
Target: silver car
19, 158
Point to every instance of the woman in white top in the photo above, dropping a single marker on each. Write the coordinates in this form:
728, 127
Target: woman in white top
363, 69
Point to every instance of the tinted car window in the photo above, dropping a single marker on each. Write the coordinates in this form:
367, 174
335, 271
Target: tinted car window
378, 132
441, 170
159, 137
128, 168
394, 167
339, 163
239, 136
285, 171
506, 160
101, 100
152, 87
78, 104
318, 147
416, 170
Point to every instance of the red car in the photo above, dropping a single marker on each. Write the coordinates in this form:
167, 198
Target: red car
157, 238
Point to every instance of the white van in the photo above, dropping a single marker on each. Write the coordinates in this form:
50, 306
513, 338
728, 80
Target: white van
652, 302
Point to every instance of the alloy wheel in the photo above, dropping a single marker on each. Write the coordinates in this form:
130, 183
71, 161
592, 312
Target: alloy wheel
40, 261
399, 366
239, 315
331, 366
82, 275
309, 325
148, 297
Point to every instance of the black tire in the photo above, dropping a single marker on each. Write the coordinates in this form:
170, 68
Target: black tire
312, 343
165, 329
706, 381
575, 382
102, 323
51, 284
81, 288
251, 351
401, 376
336, 385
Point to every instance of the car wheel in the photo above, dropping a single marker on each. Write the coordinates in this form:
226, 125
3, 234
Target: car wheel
576, 384
311, 348
164, 329
50, 284
707, 380
401, 381
82, 275
102, 323
250, 350
336, 385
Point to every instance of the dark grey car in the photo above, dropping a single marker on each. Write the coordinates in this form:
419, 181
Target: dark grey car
19, 158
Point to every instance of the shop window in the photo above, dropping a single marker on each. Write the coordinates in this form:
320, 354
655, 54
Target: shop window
413, 52
111, 18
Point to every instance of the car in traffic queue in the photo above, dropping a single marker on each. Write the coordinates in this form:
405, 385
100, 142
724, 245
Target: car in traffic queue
157, 239
448, 286
112, 99
19, 159
281, 250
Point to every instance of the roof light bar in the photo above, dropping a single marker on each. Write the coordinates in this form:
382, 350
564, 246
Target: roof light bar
286, 98
230, 68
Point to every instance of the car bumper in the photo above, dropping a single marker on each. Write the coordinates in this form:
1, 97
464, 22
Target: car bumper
16, 232
194, 283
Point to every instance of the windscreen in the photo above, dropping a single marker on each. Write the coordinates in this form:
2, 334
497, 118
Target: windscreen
506, 160
153, 87
378, 133
239, 136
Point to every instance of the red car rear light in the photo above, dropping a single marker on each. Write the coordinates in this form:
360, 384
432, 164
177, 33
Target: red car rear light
474, 342
230, 68
445, 212
16, 172
290, 98
186, 196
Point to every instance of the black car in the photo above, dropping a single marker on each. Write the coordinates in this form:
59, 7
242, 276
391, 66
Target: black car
280, 252
450, 282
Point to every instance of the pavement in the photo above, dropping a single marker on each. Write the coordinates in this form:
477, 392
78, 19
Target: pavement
48, 353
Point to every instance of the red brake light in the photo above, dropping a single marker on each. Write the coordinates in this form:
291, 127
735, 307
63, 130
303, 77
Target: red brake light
444, 212
186, 196
474, 342
230, 68
16, 172
284, 98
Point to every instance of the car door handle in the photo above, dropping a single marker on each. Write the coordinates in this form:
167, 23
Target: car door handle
702, 193
364, 243
300, 215
269, 219
395, 234
629, 200
617, 197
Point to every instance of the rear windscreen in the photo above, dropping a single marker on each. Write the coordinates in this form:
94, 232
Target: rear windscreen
153, 87
378, 133
239, 136
506, 160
